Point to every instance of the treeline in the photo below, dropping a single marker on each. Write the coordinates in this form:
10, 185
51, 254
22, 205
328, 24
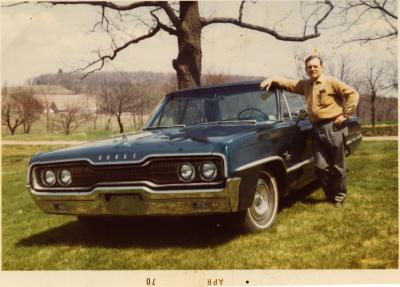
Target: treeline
116, 95
133, 95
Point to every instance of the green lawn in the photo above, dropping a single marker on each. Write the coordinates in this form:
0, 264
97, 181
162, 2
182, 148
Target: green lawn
308, 233
57, 136
84, 132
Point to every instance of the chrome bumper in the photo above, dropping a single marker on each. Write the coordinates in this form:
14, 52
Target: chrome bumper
140, 201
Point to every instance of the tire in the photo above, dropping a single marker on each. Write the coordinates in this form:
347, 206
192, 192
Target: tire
264, 209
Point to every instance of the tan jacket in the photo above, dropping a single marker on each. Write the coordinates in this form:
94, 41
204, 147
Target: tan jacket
327, 97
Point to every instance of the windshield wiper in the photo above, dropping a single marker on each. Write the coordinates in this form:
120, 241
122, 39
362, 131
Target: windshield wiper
230, 122
164, 127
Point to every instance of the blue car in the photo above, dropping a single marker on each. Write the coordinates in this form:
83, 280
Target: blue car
230, 148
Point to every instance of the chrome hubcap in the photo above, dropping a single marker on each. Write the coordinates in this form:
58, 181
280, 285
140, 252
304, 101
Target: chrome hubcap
261, 203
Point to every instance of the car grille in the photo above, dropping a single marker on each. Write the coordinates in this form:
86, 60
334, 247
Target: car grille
153, 172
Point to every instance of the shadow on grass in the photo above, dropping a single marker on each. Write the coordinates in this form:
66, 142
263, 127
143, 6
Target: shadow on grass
148, 232
154, 232
302, 195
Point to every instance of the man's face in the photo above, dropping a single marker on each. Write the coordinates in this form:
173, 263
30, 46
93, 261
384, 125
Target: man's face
314, 69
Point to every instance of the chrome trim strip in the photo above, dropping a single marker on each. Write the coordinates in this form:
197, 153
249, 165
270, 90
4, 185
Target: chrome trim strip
151, 184
287, 104
300, 164
260, 161
103, 189
354, 139
137, 161
229, 122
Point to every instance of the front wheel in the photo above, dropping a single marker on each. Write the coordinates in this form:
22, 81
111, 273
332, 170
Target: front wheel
263, 211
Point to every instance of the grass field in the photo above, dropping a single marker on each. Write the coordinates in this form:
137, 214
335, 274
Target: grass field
308, 233
84, 132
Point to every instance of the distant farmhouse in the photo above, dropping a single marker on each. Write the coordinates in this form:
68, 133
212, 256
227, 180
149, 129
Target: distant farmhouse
59, 103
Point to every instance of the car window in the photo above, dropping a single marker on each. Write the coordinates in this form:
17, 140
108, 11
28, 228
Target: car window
215, 106
186, 111
249, 106
296, 103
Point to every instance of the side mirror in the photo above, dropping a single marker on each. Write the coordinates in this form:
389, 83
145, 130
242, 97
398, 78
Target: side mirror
302, 115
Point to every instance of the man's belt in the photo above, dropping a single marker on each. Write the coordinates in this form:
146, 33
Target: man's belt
325, 121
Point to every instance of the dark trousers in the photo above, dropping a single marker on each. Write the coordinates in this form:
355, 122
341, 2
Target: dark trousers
329, 159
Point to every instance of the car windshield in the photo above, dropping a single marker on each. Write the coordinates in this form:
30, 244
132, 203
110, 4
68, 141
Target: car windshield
215, 107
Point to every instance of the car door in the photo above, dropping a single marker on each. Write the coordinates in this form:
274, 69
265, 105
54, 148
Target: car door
302, 168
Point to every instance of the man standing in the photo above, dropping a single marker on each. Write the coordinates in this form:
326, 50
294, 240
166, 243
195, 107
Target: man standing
329, 102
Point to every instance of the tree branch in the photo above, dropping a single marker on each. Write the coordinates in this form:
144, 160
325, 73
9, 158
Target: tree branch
370, 7
14, 4
241, 11
109, 5
166, 28
238, 22
170, 13
372, 38
102, 59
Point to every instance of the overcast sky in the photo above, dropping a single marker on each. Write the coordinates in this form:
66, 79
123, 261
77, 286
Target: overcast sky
37, 39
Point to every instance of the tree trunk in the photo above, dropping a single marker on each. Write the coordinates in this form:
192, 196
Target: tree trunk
108, 123
373, 110
373, 114
121, 126
12, 130
134, 121
94, 122
47, 120
188, 62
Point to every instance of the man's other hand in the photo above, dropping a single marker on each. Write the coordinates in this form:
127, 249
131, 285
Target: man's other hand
339, 120
266, 84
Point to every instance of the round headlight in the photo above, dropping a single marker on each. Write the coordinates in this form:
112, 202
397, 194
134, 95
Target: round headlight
208, 171
186, 172
49, 177
65, 177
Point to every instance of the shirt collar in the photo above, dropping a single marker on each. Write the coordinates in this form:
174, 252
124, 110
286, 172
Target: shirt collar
320, 79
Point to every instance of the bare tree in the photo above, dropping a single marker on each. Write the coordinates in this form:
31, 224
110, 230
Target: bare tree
71, 117
375, 19
23, 107
31, 108
374, 84
183, 21
140, 103
11, 114
46, 105
116, 98
340, 67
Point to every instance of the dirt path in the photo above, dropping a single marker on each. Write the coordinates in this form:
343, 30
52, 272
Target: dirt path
382, 138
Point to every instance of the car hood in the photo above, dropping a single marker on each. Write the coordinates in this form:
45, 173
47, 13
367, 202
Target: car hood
202, 139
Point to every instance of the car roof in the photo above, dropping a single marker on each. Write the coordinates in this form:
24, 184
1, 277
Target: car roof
222, 86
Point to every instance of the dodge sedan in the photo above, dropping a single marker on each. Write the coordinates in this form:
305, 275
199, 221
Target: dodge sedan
229, 148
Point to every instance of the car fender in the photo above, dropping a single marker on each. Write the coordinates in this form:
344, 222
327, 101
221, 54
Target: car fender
249, 176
